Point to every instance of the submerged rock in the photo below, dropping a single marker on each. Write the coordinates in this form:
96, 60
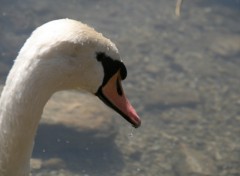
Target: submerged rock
194, 162
168, 96
81, 112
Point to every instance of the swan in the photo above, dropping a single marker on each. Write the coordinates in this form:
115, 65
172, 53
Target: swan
59, 55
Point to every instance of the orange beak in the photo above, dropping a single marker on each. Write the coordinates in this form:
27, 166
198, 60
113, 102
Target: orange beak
112, 95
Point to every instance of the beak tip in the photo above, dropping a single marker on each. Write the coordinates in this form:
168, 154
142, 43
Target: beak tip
136, 123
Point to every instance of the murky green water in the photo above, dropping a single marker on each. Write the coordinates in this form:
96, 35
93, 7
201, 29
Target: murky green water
183, 78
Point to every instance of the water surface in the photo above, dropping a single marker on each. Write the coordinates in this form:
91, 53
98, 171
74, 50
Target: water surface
183, 78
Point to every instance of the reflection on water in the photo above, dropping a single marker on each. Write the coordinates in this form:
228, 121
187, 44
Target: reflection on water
183, 78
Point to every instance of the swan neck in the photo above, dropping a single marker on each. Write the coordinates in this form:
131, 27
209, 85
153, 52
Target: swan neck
21, 105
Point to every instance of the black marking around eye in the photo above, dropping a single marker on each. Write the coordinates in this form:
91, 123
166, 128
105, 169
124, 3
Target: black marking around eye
111, 67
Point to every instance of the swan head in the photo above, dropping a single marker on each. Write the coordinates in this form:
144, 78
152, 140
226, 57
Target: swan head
70, 55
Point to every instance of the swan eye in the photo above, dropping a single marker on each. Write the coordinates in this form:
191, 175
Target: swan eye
123, 71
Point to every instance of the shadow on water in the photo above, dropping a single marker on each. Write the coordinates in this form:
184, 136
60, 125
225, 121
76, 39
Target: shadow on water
80, 151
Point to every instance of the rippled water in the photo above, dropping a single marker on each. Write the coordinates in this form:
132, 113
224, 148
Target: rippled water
183, 79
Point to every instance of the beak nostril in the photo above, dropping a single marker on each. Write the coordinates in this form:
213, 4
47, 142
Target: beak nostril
119, 88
